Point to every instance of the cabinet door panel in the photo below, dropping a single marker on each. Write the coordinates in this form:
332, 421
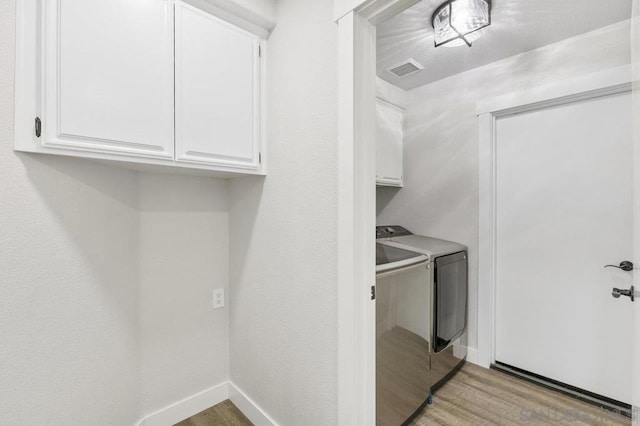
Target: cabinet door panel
389, 120
109, 76
217, 91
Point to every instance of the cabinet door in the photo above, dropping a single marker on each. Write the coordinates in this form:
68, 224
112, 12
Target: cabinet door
108, 78
217, 91
388, 144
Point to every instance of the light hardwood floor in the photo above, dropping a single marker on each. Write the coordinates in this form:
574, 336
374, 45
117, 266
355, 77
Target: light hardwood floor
223, 414
474, 396
477, 396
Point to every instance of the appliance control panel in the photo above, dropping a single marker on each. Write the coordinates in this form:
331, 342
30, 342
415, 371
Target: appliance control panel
388, 231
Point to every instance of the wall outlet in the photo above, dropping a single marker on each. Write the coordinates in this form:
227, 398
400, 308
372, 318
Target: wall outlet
218, 298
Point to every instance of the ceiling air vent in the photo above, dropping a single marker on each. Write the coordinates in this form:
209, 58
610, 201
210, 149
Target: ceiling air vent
406, 68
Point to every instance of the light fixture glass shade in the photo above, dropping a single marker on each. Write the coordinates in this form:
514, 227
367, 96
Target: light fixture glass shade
456, 21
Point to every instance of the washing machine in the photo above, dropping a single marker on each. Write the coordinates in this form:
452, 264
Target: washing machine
421, 317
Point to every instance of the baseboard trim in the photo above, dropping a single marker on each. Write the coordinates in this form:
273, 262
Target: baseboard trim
187, 407
472, 356
194, 404
636, 416
249, 408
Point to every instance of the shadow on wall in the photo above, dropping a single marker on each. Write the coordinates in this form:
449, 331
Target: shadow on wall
50, 171
170, 193
183, 255
245, 200
246, 195
384, 195
440, 170
69, 288
96, 206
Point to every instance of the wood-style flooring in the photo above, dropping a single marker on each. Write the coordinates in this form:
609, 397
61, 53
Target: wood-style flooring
477, 396
474, 396
223, 414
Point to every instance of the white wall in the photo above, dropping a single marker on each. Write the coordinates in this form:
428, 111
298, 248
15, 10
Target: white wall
440, 194
105, 282
68, 273
391, 93
263, 8
283, 234
184, 255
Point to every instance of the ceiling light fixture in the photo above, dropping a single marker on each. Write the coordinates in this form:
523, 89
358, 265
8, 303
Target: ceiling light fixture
455, 21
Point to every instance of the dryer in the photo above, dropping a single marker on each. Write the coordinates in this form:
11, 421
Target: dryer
436, 310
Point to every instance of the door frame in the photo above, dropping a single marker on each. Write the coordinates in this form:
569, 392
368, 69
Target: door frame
356, 21
635, 60
610, 82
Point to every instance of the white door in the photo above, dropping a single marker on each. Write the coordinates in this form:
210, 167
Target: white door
389, 134
564, 211
217, 91
109, 76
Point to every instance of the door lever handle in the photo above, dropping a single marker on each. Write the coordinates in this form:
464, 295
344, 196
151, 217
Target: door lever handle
625, 265
630, 293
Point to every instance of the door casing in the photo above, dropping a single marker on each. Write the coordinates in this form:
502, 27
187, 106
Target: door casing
356, 21
616, 80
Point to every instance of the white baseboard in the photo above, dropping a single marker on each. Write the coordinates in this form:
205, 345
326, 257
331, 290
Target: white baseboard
636, 416
194, 404
249, 408
186, 408
472, 356
459, 351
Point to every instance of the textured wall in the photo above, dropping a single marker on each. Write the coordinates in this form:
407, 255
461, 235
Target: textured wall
440, 197
283, 297
68, 280
184, 255
264, 8
105, 282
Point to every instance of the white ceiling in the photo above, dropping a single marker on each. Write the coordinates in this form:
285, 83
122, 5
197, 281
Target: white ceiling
516, 26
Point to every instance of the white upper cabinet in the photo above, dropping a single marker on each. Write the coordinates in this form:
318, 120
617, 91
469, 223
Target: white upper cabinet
108, 76
150, 83
217, 91
389, 135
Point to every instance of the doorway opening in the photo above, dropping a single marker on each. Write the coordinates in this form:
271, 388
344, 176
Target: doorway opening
438, 188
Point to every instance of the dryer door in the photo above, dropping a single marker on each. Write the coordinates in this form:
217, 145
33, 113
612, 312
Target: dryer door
450, 297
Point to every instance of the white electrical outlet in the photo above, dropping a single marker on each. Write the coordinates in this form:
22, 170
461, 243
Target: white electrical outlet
218, 298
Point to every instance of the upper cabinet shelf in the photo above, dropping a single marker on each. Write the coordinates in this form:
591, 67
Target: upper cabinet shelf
108, 77
389, 144
390, 108
150, 82
217, 91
